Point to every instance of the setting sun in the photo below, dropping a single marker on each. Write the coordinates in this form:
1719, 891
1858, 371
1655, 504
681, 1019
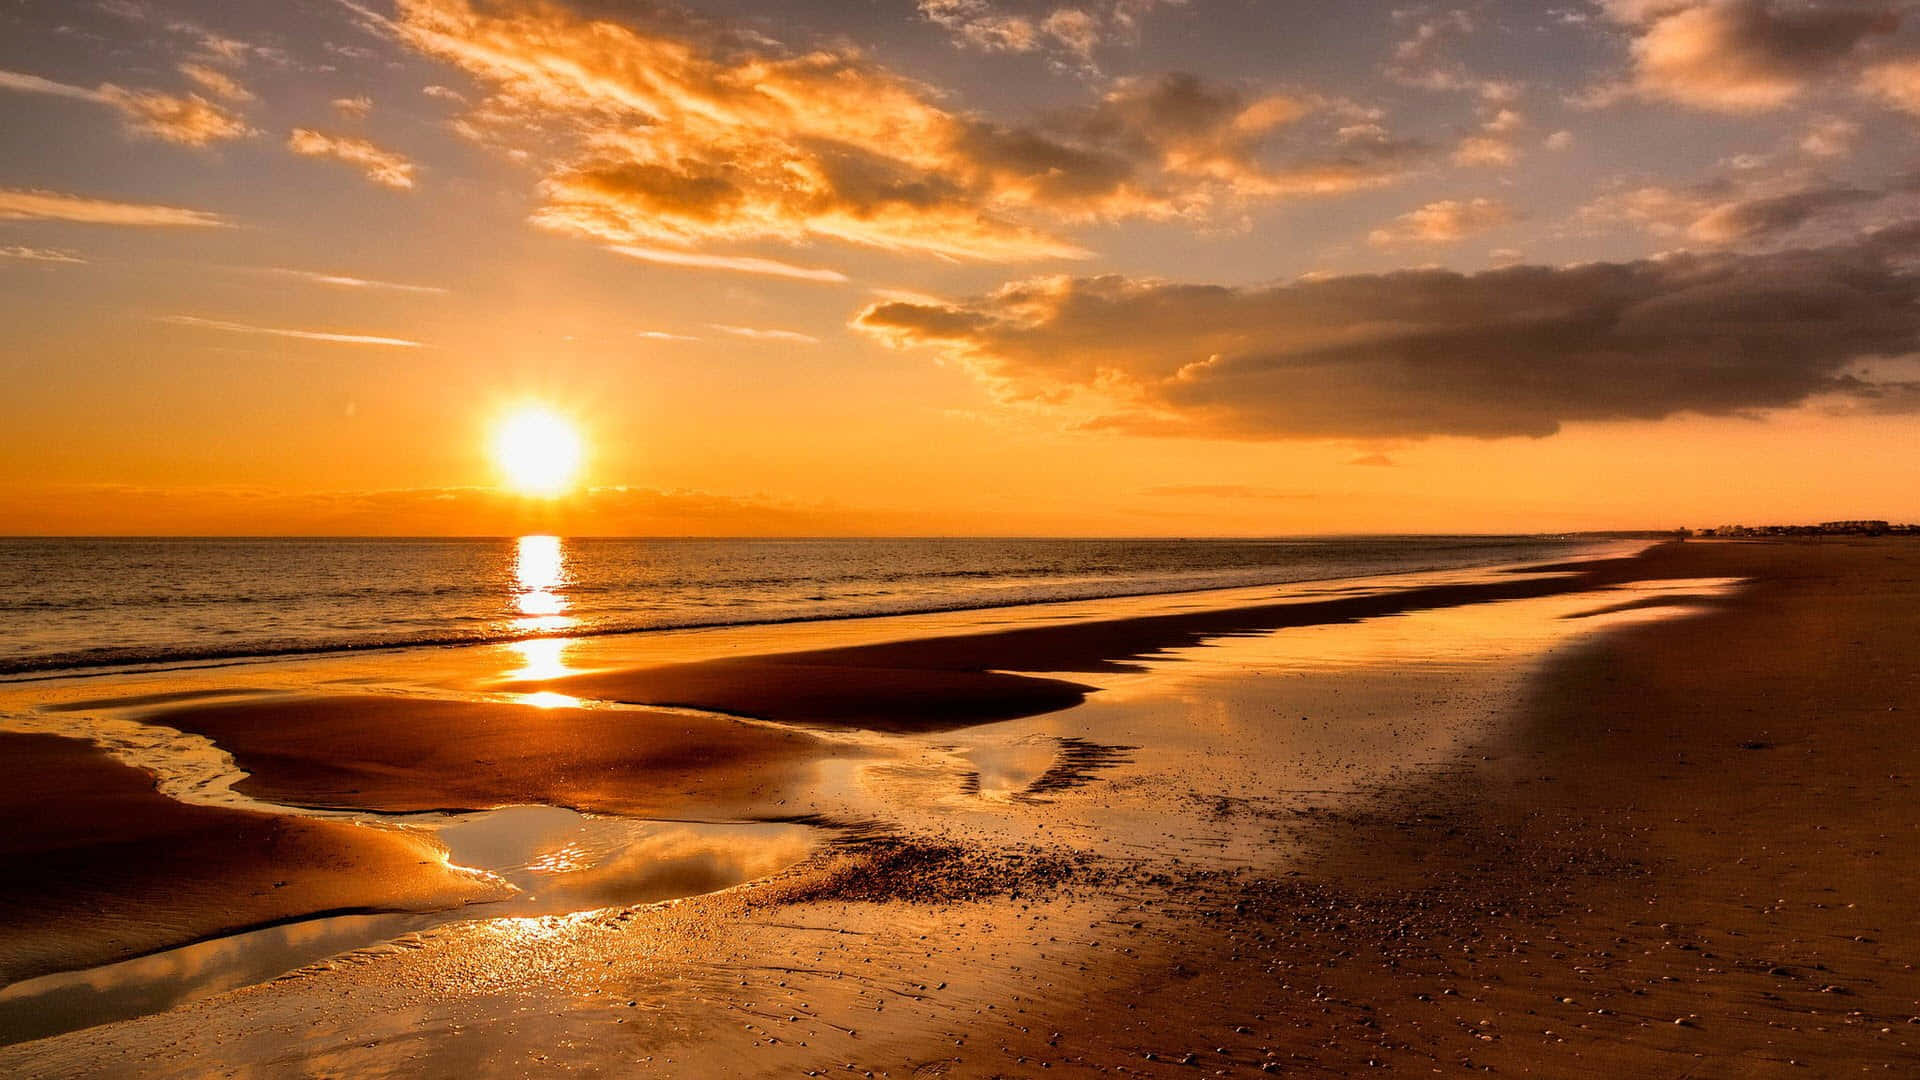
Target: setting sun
538, 451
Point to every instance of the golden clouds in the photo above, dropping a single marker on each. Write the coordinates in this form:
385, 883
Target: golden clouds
382, 167
1442, 222
679, 136
1741, 55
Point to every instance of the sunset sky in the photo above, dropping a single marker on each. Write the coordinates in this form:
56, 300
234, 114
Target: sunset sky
959, 266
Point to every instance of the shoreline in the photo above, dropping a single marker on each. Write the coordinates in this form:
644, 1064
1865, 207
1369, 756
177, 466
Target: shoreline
1502, 868
58, 668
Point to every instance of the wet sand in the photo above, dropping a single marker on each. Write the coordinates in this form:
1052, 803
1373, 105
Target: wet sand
96, 865
1670, 845
401, 754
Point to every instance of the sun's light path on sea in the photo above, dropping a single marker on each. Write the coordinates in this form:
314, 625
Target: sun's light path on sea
539, 599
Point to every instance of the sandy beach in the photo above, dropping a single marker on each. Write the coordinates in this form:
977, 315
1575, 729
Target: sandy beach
1641, 816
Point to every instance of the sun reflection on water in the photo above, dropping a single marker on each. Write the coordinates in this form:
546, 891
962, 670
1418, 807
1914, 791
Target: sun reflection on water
540, 580
541, 658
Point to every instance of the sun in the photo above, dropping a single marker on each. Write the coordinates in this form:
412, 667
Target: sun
538, 450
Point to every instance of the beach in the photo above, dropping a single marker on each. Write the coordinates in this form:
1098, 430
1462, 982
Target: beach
1643, 813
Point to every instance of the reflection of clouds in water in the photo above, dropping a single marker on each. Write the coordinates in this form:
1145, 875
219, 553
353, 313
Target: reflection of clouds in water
682, 862
63, 1001
563, 860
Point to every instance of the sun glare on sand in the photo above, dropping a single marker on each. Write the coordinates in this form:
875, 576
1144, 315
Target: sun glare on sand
538, 450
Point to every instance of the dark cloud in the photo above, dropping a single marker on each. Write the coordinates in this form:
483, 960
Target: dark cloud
1770, 210
1750, 218
1517, 351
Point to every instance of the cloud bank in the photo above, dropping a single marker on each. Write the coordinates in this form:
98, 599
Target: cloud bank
1517, 351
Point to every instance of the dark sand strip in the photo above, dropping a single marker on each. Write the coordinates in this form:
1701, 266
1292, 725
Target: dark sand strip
96, 865
402, 755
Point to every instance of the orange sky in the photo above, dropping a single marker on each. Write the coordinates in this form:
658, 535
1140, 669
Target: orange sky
958, 268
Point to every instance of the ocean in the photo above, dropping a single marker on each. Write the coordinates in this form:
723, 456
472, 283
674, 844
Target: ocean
91, 603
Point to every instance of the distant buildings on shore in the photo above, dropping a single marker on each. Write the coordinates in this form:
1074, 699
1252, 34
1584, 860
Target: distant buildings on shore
1825, 528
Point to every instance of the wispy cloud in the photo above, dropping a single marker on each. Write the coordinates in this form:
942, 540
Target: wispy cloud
346, 281
756, 334
383, 167
18, 205
217, 83
662, 335
301, 335
742, 264
190, 120
30, 254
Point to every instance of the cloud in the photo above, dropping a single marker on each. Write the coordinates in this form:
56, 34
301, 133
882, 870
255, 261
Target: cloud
1063, 31
329, 336
19, 205
670, 133
32, 254
1830, 137
1747, 219
383, 167
662, 335
209, 46
1776, 208
1517, 351
755, 334
1740, 55
1493, 145
190, 120
1443, 222
346, 281
1559, 140
357, 106
216, 83
1423, 60
742, 264
1895, 83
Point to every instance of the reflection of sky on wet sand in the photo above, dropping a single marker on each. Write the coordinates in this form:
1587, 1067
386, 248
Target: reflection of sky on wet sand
1280, 722
565, 861
561, 861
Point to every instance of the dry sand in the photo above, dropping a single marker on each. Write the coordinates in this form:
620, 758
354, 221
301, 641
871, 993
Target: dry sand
1680, 847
